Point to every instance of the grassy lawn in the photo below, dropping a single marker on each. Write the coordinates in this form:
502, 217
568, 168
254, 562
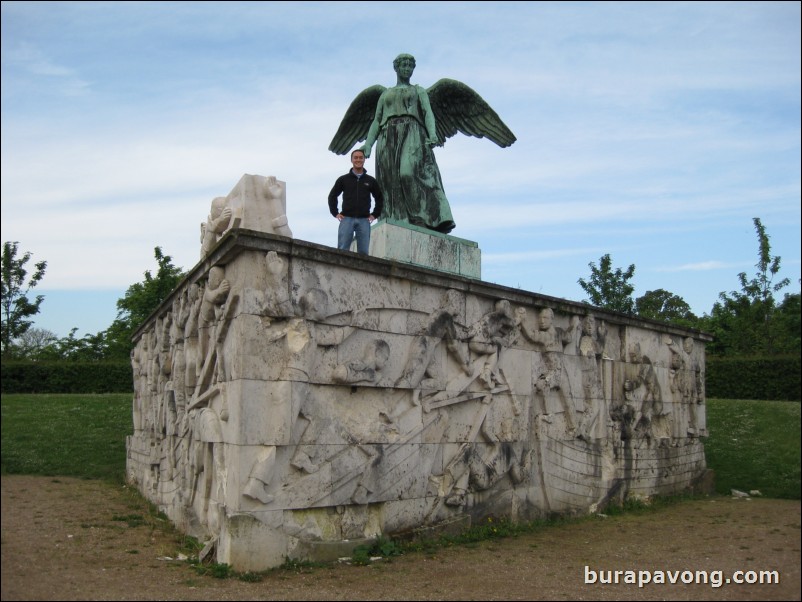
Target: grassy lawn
755, 445
66, 435
752, 444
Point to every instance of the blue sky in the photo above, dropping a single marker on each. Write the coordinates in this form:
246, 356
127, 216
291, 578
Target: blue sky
652, 131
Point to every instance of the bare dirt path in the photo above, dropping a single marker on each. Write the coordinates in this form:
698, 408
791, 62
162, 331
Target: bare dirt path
70, 539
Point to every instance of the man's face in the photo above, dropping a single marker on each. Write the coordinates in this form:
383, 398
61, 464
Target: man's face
358, 160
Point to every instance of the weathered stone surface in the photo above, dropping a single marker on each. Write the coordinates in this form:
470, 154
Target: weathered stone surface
289, 397
256, 203
399, 241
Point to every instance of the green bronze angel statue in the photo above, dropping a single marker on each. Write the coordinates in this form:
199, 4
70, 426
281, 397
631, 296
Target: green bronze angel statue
407, 121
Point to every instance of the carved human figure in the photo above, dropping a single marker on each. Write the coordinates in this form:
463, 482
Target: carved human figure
591, 352
479, 472
207, 465
159, 398
487, 339
686, 384
147, 387
277, 302
161, 364
181, 311
488, 336
256, 487
273, 197
192, 359
406, 121
504, 459
303, 336
183, 448
214, 297
217, 223
259, 203
552, 379
488, 452
367, 369
256, 202
421, 372
177, 427
139, 357
642, 390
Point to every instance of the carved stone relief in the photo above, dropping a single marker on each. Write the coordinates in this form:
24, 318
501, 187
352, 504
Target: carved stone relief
317, 400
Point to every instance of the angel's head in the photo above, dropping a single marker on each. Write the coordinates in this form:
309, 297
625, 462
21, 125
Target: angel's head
406, 60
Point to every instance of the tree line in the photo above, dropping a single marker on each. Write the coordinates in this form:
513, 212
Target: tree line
748, 322
21, 341
751, 321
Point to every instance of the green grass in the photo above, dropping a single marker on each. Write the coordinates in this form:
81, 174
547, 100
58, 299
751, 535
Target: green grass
754, 445
66, 435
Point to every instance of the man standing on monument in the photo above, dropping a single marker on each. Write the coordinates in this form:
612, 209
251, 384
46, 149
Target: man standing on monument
355, 218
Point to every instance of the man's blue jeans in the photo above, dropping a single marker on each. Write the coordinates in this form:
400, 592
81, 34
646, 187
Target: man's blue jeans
351, 227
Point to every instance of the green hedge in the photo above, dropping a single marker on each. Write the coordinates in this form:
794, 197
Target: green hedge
775, 378
67, 377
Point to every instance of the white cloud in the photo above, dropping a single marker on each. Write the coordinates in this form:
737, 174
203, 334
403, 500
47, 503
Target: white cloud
651, 131
703, 266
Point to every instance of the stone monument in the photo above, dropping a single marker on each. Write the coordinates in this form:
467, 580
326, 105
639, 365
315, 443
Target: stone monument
292, 400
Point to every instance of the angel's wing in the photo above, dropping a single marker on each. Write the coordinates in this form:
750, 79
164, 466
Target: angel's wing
356, 123
457, 108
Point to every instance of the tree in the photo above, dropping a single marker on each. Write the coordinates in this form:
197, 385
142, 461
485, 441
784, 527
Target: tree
742, 321
608, 288
761, 287
665, 306
89, 348
16, 306
787, 324
34, 342
140, 300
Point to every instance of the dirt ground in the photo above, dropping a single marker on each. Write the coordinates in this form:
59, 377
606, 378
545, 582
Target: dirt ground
70, 539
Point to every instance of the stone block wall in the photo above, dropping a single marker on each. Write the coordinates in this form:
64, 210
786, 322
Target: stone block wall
290, 397
398, 241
